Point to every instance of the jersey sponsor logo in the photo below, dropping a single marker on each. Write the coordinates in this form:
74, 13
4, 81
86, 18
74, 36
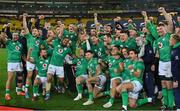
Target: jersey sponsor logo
160, 45
44, 66
60, 51
79, 63
37, 42
110, 64
17, 48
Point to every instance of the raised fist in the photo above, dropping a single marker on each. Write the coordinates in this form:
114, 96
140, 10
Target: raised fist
5, 25
9, 24
144, 13
118, 18
41, 17
161, 9
32, 20
25, 14
95, 14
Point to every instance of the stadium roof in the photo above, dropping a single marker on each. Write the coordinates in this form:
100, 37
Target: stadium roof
85, 7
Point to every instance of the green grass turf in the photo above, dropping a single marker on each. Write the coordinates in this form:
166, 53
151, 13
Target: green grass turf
57, 101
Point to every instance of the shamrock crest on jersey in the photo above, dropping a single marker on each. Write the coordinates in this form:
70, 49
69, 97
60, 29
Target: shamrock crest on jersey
79, 63
160, 44
60, 51
110, 64
99, 53
121, 45
17, 48
71, 36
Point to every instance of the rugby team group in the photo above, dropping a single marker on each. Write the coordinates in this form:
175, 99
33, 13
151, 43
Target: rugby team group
125, 58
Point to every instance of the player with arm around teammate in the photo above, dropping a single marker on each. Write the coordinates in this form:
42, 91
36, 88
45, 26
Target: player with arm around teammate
131, 89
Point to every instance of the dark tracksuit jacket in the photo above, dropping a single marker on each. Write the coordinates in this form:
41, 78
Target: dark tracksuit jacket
148, 77
175, 69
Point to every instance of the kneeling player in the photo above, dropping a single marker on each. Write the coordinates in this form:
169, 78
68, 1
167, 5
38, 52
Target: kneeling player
81, 73
96, 77
130, 90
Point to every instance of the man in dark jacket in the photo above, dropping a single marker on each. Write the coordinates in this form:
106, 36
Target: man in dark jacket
148, 76
175, 67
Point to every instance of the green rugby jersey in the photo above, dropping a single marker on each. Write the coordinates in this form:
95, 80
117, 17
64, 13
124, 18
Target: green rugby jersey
34, 43
138, 65
126, 72
99, 50
81, 66
115, 42
129, 43
114, 65
56, 42
42, 66
73, 37
59, 54
92, 66
14, 51
164, 48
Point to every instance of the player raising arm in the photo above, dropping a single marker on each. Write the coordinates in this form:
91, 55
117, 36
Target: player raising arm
14, 62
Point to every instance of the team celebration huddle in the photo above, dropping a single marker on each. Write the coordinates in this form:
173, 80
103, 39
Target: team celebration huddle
119, 61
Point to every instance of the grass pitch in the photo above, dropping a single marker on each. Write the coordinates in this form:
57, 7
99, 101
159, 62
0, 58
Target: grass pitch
57, 101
